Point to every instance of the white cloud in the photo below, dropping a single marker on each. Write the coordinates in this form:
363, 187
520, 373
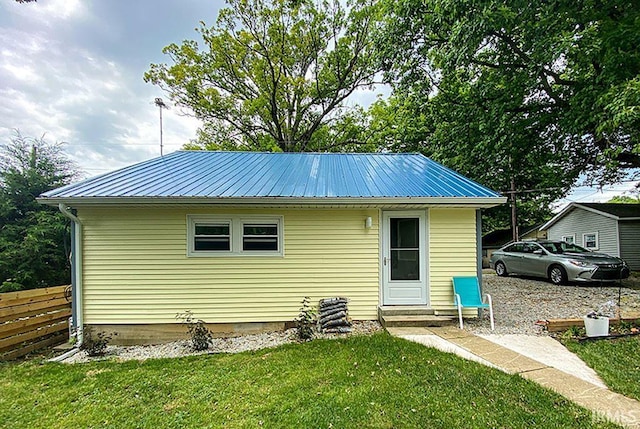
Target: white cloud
48, 12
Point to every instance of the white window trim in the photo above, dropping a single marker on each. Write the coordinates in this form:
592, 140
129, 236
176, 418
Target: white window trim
236, 222
572, 236
584, 243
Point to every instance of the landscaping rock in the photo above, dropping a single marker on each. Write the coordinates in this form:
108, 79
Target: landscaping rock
220, 345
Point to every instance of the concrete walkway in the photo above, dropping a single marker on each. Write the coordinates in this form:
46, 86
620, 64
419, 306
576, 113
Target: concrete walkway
603, 402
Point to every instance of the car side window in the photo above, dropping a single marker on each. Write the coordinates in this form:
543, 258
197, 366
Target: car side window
516, 247
530, 248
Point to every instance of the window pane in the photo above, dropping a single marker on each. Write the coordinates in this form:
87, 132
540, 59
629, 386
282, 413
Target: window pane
260, 237
212, 237
260, 243
405, 265
260, 229
404, 233
515, 248
212, 229
212, 243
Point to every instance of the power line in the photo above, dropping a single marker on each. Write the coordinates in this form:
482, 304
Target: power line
121, 144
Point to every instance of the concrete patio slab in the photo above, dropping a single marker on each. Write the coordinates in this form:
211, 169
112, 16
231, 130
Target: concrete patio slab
409, 330
502, 357
605, 403
441, 344
549, 352
449, 332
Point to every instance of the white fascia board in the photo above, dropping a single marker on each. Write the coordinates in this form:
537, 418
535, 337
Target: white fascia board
601, 213
568, 208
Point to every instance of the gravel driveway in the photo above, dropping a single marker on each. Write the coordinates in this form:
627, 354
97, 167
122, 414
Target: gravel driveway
518, 303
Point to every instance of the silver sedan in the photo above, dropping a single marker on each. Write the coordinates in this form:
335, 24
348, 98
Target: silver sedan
558, 261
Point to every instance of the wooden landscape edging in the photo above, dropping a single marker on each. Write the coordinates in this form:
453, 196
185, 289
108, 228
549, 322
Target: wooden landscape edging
33, 319
559, 325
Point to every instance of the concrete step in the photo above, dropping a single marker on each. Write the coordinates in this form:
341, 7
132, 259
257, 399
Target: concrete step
405, 310
416, 321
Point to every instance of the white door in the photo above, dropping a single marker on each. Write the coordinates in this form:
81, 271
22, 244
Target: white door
404, 267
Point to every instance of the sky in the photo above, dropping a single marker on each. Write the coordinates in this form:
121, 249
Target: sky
72, 71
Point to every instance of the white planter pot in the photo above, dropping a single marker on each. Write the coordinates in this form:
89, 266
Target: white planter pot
597, 327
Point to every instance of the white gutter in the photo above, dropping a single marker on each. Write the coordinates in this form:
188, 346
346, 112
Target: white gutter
77, 256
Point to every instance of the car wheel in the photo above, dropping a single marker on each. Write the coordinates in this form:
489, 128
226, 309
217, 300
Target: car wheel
557, 275
501, 269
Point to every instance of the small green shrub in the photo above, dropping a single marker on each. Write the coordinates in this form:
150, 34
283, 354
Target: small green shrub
95, 343
574, 331
9, 286
306, 321
200, 337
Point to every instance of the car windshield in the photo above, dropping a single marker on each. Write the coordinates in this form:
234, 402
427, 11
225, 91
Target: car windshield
563, 247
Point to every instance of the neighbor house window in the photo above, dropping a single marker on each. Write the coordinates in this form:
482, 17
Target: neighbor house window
234, 235
590, 241
569, 238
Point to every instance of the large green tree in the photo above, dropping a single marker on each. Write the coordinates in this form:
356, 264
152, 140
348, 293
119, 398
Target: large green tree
625, 199
406, 123
530, 92
33, 238
273, 74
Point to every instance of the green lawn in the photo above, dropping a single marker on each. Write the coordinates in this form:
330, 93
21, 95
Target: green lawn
616, 362
360, 382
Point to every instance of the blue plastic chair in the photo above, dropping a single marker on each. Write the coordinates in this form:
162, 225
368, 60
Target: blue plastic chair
466, 291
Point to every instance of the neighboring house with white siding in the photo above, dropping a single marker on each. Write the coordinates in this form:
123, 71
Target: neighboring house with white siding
239, 238
603, 227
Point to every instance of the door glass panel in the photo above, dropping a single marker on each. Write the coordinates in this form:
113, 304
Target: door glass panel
405, 248
404, 233
405, 265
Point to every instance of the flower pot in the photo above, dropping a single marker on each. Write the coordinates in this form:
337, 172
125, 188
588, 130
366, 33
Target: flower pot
597, 327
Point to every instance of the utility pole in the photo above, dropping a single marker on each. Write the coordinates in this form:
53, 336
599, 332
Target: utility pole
158, 102
514, 219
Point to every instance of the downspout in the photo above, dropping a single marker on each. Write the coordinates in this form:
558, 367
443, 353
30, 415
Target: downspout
76, 256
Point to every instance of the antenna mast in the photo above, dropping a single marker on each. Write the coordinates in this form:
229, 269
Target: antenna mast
158, 102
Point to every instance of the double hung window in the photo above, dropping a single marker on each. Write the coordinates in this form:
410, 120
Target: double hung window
590, 241
234, 235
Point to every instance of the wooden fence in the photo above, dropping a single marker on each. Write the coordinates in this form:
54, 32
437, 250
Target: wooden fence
33, 319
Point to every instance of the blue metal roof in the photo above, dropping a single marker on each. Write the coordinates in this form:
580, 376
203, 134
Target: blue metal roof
202, 174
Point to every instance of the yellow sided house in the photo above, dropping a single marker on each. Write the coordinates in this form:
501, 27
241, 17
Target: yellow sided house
239, 238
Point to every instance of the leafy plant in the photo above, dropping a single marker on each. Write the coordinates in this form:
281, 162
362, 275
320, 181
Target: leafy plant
95, 343
625, 327
10, 286
306, 321
573, 332
201, 338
